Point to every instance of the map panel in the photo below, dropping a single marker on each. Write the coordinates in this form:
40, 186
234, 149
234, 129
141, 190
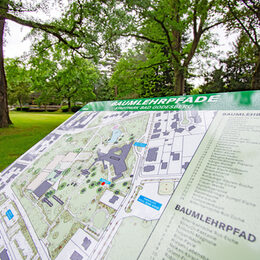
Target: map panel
96, 187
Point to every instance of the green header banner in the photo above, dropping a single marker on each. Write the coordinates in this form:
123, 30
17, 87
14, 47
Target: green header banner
243, 100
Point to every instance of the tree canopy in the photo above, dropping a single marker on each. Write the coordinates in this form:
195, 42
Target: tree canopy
180, 28
70, 50
62, 78
19, 82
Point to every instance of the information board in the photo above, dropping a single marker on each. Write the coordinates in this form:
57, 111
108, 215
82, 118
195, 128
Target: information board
158, 178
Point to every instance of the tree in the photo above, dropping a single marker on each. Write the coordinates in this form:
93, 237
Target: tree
143, 72
126, 79
42, 72
84, 27
76, 80
19, 82
236, 71
102, 89
63, 77
4, 115
180, 27
246, 19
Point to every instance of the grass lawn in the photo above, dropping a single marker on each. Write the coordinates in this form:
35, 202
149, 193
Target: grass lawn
28, 128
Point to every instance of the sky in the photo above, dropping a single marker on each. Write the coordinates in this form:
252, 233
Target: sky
15, 45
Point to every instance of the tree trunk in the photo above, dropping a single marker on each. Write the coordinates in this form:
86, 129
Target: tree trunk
256, 75
4, 113
115, 91
20, 104
69, 104
178, 82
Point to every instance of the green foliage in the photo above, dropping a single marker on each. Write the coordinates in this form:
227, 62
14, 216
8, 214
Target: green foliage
125, 80
102, 89
143, 73
49, 193
179, 29
99, 189
244, 17
77, 150
64, 108
75, 108
37, 171
112, 185
169, 34
66, 172
86, 28
26, 109
92, 185
83, 190
62, 186
76, 80
19, 82
117, 192
235, 73
71, 79
195, 91
43, 71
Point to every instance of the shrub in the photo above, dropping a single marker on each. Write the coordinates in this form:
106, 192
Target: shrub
75, 108
26, 109
65, 108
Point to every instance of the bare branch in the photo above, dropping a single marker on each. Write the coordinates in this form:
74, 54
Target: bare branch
32, 24
243, 26
51, 29
215, 24
165, 31
153, 65
143, 37
252, 9
168, 38
254, 31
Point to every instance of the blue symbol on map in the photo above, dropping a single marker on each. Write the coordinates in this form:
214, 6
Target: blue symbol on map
9, 214
149, 202
140, 144
115, 135
105, 181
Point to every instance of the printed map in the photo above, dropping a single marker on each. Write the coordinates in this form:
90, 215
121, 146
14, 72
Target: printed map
97, 184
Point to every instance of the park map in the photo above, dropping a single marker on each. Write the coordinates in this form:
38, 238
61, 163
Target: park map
96, 186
